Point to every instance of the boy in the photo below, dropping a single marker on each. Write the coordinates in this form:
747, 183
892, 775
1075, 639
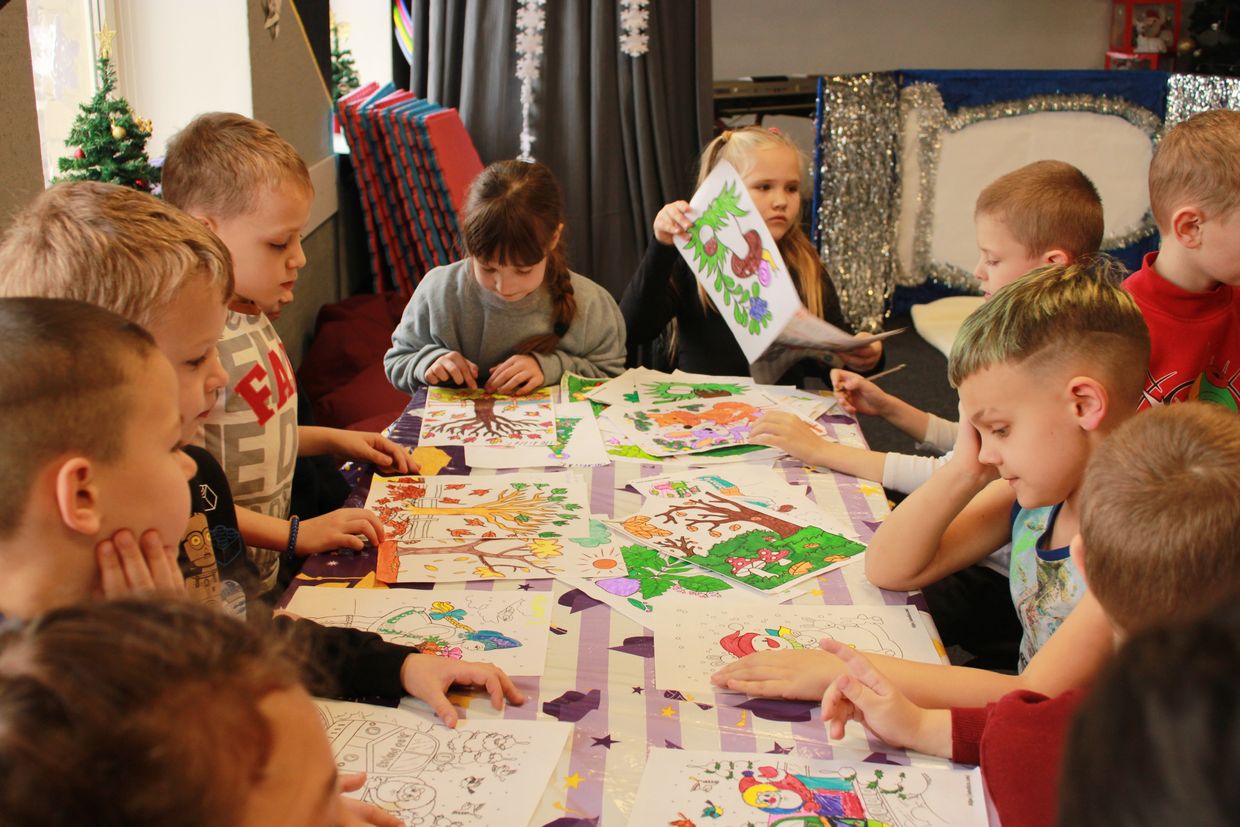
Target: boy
251, 188
1045, 369
134, 253
1188, 289
1150, 559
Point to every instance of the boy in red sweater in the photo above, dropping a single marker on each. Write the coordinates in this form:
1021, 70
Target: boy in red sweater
1188, 289
1157, 544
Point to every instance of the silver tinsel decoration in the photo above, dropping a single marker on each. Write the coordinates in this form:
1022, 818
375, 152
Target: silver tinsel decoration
1189, 94
925, 101
859, 182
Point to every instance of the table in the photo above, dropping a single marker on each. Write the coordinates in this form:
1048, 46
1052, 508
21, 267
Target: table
600, 664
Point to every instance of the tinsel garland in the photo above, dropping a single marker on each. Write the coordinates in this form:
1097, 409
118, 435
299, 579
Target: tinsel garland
1189, 94
531, 20
635, 26
858, 181
923, 100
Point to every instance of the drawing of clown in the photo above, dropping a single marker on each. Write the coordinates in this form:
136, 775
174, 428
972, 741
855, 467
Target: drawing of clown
789, 799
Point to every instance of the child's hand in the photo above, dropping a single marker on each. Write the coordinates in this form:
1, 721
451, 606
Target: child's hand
965, 454
672, 222
339, 529
429, 677
799, 674
375, 448
518, 374
863, 357
864, 694
858, 394
788, 433
355, 813
455, 369
128, 567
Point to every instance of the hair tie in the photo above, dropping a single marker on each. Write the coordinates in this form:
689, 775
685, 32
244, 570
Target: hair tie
774, 130
725, 135
560, 329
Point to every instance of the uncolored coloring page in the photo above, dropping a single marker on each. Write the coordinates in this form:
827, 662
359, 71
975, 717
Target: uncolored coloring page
693, 640
481, 774
729, 789
508, 629
460, 416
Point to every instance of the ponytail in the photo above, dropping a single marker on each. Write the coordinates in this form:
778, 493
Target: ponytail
563, 303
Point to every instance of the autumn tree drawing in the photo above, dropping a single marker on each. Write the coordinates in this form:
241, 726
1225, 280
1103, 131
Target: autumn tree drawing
517, 509
713, 511
496, 555
483, 421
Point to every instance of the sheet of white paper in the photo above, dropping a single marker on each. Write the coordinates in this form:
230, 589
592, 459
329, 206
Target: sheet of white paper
508, 629
731, 789
574, 421
694, 639
807, 331
488, 773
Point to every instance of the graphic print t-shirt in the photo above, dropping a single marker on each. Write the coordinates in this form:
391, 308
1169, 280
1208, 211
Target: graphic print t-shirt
1046, 585
252, 431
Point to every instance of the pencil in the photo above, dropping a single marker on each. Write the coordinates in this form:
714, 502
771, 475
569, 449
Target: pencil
887, 372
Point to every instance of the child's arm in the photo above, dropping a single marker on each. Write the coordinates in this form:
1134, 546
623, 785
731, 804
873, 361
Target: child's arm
654, 295
793, 435
339, 529
429, 677
1071, 658
859, 395
415, 347
956, 518
364, 446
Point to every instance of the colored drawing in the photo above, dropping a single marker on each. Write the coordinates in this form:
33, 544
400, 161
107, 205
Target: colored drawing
652, 579
675, 428
460, 416
767, 548
695, 639
464, 510
745, 790
679, 391
508, 629
578, 443
595, 554
573, 388
481, 773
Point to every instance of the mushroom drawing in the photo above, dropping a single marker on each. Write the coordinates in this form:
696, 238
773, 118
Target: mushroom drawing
742, 566
769, 555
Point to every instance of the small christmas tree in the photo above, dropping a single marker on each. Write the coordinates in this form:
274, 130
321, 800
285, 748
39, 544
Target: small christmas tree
110, 140
344, 72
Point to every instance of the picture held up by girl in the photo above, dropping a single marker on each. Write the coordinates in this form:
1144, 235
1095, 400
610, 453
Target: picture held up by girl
664, 290
511, 317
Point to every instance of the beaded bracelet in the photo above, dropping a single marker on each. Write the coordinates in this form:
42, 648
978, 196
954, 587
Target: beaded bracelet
290, 553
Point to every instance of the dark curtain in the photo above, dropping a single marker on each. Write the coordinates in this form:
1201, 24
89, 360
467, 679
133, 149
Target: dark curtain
621, 134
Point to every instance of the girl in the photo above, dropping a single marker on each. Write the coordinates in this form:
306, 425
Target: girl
665, 290
512, 311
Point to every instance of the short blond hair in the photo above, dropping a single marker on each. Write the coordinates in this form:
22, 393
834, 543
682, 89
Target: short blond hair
1159, 516
112, 246
1046, 205
1061, 314
1197, 163
223, 163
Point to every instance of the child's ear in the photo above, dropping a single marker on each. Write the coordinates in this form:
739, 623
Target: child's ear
206, 220
1056, 257
77, 498
1089, 400
1186, 226
1076, 550
555, 237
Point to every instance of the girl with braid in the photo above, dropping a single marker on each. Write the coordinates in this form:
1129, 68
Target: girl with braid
512, 312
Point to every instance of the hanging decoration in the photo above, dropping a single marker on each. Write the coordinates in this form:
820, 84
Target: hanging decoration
635, 26
531, 20
402, 25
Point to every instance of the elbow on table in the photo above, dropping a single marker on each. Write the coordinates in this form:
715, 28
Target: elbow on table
884, 577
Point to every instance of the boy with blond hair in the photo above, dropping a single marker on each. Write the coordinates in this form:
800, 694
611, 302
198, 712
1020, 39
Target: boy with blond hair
1188, 290
164, 268
1045, 370
251, 188
1149, 559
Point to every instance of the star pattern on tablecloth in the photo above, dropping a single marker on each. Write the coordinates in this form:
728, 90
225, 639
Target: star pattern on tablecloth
867, 489
637, 690
572, 781
605, 741
667, 712
525, 587
779, 750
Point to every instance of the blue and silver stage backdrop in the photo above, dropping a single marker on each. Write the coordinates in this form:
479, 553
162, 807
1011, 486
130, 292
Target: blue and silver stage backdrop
901, 156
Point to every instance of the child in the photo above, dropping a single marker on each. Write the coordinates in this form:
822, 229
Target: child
167, 270
250, 187
90, 444
665, 290
1150, 559
148, 714
1045, 369
512, 311
1188, 289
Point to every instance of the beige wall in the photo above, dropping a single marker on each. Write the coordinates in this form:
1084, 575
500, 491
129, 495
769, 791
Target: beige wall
21, 167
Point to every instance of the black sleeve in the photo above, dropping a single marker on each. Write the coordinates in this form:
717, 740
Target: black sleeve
652, 299
346, 663
831, 310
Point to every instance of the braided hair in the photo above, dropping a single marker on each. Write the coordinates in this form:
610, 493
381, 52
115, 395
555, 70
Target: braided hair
514, 215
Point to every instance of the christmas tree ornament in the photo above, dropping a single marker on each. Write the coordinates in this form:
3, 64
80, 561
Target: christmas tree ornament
79, 154
118, 132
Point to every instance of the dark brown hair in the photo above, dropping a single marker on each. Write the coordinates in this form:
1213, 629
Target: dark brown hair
67, 374
1046, 205
135, 713
511, 217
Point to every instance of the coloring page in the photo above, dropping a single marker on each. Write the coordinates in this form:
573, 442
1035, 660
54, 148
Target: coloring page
620, 448
460, 416
645, 386
735, 259
730, 789
481, 774
621, 389
769, 548
674, 428
463, 510
508, 629
693, 639
574, 388
596, 553
578, 443
653, 579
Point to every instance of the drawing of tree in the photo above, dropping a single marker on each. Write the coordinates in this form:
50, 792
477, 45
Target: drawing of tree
522, 510
712, 510
682, 546
684, 391
484, 421
494, 554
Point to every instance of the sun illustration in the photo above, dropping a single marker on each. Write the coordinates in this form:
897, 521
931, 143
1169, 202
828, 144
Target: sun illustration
603, 563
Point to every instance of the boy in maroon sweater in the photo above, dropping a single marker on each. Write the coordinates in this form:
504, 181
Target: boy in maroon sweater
1158, 540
